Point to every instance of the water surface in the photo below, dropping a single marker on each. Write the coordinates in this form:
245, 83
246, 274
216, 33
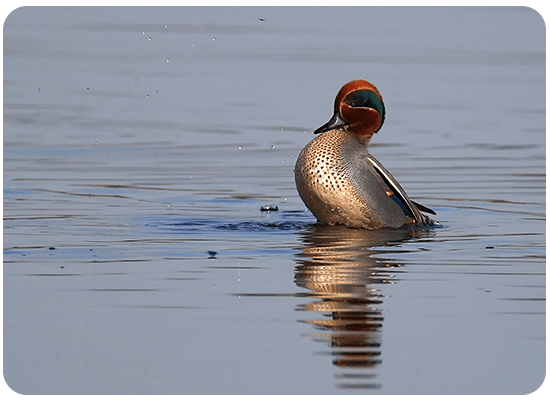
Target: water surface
141, 143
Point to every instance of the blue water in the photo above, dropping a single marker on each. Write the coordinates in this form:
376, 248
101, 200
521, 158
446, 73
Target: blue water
141, 144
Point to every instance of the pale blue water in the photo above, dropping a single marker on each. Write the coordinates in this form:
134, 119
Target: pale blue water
141, 143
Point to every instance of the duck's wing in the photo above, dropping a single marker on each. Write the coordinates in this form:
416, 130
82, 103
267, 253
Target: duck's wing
410, 208
424, 208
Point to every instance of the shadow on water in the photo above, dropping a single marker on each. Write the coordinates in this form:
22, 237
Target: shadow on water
342, 268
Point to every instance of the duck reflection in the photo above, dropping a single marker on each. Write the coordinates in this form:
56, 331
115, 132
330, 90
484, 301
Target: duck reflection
342, 268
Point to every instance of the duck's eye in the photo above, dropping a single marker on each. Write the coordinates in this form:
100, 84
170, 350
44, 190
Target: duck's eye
366, 99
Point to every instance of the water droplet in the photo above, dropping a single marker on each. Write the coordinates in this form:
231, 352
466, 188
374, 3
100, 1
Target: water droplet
213, 39
167, 60
269, 207
211, 253
240, 147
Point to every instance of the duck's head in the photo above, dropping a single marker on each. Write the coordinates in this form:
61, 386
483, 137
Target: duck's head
358, 108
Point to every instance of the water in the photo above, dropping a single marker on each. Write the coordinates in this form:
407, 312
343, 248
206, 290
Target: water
140, 145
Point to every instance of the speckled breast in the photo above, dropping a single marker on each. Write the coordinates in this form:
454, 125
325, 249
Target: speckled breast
322, 181
339, 186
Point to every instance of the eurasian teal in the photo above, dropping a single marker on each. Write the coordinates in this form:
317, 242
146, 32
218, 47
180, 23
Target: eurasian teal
340, 181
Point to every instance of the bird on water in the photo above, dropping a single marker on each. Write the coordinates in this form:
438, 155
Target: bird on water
340, 181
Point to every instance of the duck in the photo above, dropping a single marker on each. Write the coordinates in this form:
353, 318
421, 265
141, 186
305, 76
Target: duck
338, 179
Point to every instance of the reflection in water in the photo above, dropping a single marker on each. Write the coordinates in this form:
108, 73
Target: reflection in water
340, 265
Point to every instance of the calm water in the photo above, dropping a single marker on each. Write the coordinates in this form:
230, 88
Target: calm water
140, 145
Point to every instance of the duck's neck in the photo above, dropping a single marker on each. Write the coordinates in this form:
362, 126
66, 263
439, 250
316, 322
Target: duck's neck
363, 139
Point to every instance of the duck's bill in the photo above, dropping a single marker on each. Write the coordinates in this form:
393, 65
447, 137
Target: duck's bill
335, 122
